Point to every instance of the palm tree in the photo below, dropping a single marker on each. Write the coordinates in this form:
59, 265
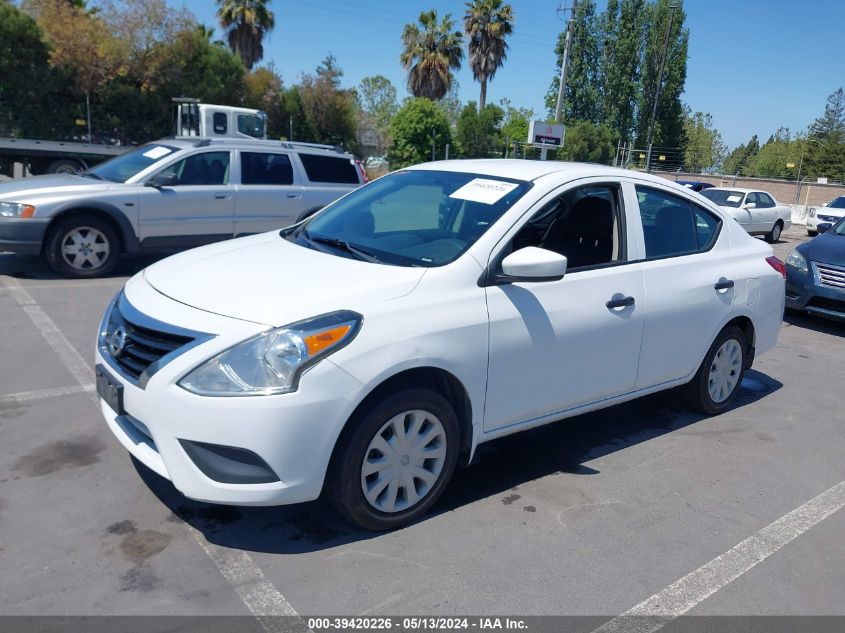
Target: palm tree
246, 22
487, 23
431, 54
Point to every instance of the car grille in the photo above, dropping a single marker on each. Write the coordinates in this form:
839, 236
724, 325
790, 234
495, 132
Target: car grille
827, 304
137, 346
831, 276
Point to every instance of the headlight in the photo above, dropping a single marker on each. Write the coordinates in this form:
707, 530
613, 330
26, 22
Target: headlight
797, 261
812, 212
272, 362
15, 210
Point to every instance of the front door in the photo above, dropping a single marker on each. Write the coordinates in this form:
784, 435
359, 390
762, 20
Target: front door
559, 344
270, 196
193, 203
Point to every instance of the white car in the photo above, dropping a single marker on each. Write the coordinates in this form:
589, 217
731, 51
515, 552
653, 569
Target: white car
757, 211
367, 350
829, 213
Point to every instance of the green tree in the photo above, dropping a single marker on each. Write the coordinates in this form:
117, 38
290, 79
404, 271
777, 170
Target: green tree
487, 23
330, 110
704, 150
376, 106
429, 55
774, 155
477, 132
451, 103
624, 24
825, 147
417, 126
514, 130
740, 158
586, 142
263, 90
582, 98
246, 22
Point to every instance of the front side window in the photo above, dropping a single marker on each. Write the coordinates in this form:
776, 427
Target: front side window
411, 218
582, 224
122, 168
332, 169
764, 200
209, 168
752, 198
674, 226
258, 168
251, 125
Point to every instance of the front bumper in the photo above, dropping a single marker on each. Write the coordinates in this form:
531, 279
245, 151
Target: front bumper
814, 221
22, 235
805, 292
292, 434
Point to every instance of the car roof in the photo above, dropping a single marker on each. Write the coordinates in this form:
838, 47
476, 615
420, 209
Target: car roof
521, 169
246, 143
738, 189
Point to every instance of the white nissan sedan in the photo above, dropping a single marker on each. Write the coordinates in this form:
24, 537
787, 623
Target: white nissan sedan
367, 350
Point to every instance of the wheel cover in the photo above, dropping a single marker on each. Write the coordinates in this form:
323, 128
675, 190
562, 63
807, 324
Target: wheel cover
776, 232
404, 461
85, 248
724, 371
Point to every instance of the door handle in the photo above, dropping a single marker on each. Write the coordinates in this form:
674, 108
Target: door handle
724, 284
293, 195
220, 196
624, 302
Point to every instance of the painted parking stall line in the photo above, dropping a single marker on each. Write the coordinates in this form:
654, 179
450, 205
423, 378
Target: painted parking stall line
682, 595
41, 394
260, 596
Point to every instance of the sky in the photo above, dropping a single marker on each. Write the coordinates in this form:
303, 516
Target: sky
754, 65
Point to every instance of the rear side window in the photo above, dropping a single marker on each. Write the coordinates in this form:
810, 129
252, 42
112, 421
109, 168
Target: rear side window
265, 169
329, 169
220, 123
673, 226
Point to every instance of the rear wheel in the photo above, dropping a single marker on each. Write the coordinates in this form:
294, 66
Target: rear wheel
82, 246
396, 460
774, 235
717, 380
64, 166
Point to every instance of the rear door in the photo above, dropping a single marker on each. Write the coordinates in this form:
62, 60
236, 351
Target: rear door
270, 193
194, 203
689, 272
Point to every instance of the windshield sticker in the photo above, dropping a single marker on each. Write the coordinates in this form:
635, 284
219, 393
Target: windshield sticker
734, 198
157, 152
483, 190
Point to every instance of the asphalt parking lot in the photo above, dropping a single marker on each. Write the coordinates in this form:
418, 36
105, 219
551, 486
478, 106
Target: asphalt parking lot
593, 516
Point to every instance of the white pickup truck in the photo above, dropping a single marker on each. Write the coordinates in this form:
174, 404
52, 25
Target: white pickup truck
757, 211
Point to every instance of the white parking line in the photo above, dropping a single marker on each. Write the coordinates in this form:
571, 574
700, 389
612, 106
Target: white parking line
40, 394
259, 595
684, 594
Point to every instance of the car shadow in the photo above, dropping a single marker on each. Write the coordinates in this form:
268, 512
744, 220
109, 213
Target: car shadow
816, 323
33, 267
499, 466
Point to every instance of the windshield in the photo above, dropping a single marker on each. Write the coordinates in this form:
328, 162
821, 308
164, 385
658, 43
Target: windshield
837, 203
723, 197
412, 218
122, 168
838, 228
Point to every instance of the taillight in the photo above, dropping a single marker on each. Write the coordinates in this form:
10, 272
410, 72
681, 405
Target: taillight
775, 263
361, 171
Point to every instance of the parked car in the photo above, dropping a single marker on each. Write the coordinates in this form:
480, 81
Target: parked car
695, 185
756, 211
815, 274
171, 194
829, 212
370, 348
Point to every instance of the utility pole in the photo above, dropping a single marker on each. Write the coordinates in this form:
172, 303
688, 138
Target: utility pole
672, 8
565, 63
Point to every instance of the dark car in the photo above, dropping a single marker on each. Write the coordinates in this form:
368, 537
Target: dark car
815, 274
695, 185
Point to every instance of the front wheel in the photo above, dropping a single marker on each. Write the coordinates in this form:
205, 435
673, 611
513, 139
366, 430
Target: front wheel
82, 247
774, 235
717, 380
396, 460
812, 233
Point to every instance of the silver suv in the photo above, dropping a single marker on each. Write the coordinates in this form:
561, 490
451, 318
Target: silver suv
172, 194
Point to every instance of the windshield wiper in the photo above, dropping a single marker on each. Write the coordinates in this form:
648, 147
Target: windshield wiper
89, 174
356, 251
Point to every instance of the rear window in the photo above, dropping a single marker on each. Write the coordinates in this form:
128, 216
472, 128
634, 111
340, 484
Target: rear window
724, 197
329, 169
265, 169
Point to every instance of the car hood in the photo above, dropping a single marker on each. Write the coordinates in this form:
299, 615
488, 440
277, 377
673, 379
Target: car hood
266, 279
827, 248
26, 190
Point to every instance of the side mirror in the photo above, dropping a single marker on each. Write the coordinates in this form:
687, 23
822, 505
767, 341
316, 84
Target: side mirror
158, 181
823, 226
750, 205
532, 264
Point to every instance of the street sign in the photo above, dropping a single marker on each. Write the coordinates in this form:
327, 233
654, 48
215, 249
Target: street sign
545, 134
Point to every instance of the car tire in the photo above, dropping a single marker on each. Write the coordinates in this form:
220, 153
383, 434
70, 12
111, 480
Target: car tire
773, 236
719, 377
389, 504
64, 166
82, 247
812, 233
